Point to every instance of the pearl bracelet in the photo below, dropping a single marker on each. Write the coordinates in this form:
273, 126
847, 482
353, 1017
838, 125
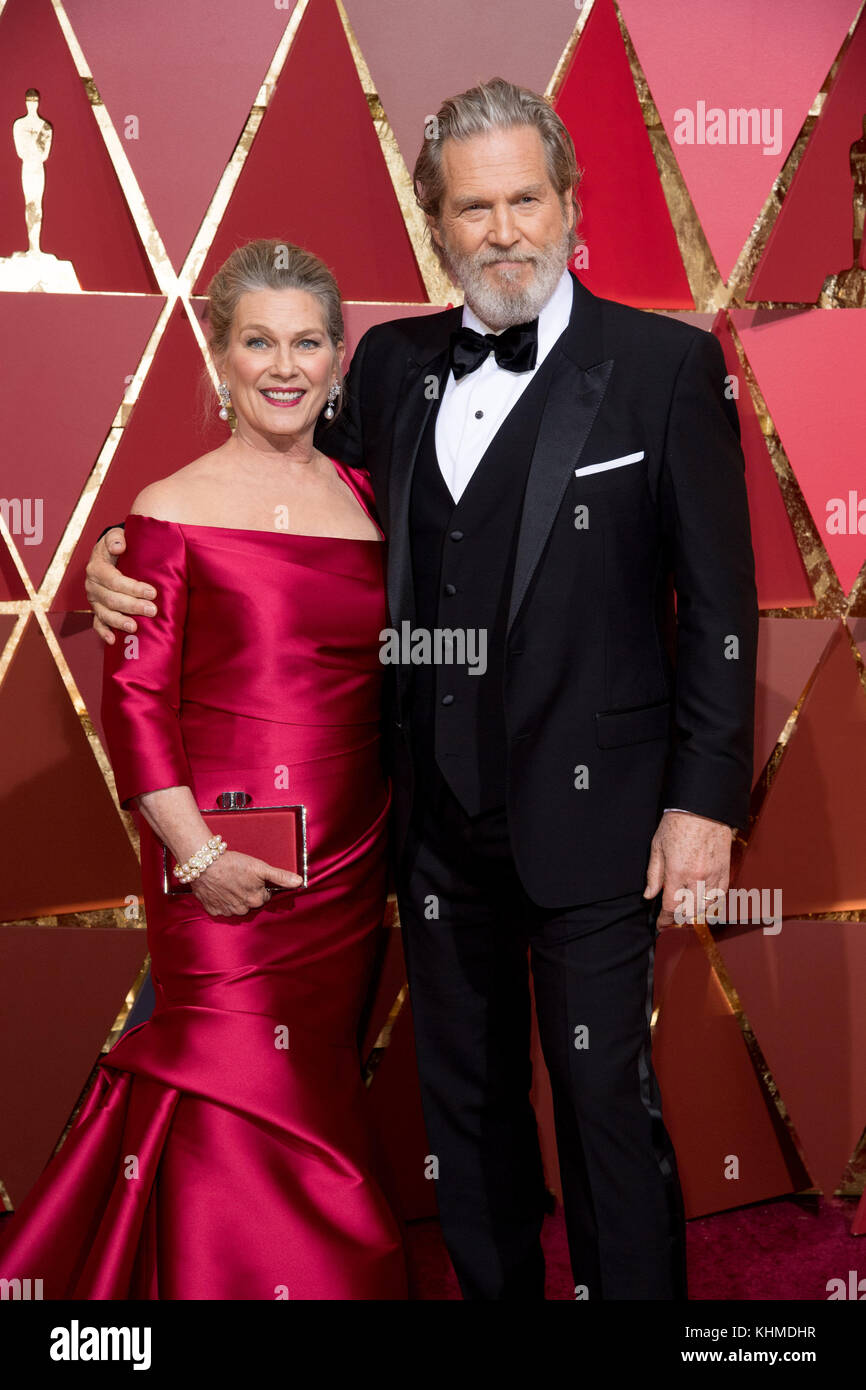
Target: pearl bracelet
199, 861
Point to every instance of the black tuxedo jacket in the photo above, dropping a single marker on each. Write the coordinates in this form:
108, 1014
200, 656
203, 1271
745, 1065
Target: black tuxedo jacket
630, 656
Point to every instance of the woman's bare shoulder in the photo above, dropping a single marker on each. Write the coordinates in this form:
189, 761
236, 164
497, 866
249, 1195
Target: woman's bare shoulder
177, 497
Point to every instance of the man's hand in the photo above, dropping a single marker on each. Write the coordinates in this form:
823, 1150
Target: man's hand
686, 849
110, 594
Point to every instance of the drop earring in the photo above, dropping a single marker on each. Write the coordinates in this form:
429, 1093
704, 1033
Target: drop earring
332, 396
225, 400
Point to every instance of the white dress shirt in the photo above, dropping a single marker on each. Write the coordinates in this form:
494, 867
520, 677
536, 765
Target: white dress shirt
473, 408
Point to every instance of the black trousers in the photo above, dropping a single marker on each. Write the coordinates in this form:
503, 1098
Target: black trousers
468, 930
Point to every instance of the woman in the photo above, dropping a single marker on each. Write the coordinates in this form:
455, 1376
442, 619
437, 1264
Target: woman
222, 1152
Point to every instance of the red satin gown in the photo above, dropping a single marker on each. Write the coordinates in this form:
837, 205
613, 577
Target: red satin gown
207, 1162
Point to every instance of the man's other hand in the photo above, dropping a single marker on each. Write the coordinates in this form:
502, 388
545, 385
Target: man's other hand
687, 849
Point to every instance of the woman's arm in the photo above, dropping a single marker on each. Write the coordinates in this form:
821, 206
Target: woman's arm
141, 715
232, 884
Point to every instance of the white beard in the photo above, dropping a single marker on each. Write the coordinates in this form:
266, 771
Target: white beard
500, 306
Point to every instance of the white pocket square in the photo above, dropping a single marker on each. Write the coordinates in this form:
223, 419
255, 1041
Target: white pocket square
611, 463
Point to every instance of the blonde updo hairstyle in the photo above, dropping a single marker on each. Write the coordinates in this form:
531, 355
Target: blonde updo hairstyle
269, 264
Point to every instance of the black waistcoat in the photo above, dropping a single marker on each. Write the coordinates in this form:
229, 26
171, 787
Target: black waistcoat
462, 564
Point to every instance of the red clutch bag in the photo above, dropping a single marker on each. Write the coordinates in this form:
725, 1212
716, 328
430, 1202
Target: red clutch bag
277, 834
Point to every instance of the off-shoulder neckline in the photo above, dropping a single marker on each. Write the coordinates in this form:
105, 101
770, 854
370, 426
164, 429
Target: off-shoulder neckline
341, 468
255, 531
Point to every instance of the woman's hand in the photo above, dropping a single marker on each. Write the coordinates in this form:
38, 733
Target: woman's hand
231, 885
236, 884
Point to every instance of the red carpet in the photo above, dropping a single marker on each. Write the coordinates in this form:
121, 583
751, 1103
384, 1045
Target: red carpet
786, 1249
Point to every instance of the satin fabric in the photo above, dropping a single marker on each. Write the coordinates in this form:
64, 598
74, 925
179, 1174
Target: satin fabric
210, 1159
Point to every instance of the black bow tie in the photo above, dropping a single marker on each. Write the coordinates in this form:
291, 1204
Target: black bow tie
516, 349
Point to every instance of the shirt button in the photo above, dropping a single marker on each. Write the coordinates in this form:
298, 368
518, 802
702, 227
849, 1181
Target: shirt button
448, 699
479, 415
451, 590
456, 535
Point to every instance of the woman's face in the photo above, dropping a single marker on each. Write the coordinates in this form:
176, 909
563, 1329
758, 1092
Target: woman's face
280, 362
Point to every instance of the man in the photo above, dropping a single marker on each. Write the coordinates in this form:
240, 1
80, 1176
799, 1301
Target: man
545, 489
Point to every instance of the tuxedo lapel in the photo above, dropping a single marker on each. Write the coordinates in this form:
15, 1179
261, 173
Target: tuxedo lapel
419, 391
576, 390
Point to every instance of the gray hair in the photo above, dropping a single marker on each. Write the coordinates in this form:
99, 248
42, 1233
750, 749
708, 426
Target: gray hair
496, 105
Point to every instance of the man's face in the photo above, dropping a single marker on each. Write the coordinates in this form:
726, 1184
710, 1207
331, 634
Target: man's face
503, 229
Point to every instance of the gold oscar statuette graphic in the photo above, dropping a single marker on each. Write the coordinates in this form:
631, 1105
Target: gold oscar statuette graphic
34, 269
847, 288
